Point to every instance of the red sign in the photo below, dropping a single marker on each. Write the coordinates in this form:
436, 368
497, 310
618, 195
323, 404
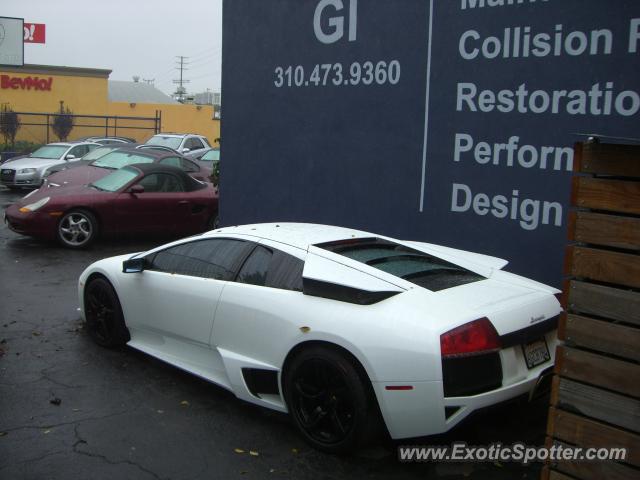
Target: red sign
27, 83
34, 32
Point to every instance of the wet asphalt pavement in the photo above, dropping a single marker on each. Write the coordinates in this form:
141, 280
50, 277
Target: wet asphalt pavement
72, 410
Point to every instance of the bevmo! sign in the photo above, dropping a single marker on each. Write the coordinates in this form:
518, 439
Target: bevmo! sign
27, 83
34, 33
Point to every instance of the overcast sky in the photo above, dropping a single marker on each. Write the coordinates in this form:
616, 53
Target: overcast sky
130, 37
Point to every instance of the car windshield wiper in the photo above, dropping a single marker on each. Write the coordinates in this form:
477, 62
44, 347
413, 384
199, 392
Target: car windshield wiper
97, 187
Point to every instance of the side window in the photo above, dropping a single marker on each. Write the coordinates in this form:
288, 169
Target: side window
78, 151
196, 143
173, 161
189, 166
160, 183
255, 268
215, 258
285, 271
272, 268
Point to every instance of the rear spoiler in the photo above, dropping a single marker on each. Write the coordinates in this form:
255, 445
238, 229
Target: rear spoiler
476, 262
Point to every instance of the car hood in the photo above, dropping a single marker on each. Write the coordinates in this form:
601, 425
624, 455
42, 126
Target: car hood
81, 175
30, 162
61, 194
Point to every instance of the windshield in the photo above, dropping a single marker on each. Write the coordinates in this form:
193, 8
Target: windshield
118, 159
407, 263
50, 151
211, 156
98, 153
116, 180
172, 142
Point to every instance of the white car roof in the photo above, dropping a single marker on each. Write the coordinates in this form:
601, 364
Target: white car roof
300, 235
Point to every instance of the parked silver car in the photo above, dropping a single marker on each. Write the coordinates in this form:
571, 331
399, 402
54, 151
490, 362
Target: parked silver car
188, 144
29, 171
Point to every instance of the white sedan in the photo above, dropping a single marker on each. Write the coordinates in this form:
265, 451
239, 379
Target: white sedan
339, 327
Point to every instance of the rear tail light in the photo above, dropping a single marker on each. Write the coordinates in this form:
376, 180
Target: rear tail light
472, 338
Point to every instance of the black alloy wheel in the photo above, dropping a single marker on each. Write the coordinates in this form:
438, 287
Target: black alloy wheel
103, 313
328, 400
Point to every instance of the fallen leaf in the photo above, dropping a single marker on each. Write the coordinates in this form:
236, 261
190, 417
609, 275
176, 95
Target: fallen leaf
238, 450
55, 401
36, 334
185, 403
294, 450
160, 411
253, 453
2, 434
46, 431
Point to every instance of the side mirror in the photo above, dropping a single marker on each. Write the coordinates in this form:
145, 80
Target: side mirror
137, 188
71, 156
134, 265
186, 150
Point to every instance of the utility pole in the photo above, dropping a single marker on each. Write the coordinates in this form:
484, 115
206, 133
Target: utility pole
180, 90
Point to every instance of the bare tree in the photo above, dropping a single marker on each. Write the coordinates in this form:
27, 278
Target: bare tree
63, 122
9, 125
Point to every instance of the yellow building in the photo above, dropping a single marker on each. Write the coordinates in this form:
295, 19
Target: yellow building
102, 106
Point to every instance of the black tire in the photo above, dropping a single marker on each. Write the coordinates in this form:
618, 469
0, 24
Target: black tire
330, 400
103, 313
213, 222
77, 229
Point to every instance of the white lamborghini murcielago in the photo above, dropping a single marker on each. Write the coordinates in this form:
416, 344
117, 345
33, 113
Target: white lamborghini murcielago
341, 328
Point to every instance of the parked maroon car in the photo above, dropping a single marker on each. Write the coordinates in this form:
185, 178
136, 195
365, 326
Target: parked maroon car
140, 199
118, 156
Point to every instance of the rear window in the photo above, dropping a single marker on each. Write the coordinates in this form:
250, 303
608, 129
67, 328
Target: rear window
172, 142
407, 263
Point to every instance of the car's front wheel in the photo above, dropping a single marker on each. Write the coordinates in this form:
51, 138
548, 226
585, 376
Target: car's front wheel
329, 400
77, 229
103, 314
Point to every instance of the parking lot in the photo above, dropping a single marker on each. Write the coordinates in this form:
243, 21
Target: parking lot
69, 409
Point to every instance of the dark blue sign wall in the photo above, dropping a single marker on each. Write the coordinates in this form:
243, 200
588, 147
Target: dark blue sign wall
448, 121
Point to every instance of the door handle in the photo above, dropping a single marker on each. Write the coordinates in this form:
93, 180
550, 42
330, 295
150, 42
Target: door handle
183, 202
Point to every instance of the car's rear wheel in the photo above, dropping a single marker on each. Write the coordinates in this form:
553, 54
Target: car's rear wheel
77, 229
103, 313
213, 222
329, 400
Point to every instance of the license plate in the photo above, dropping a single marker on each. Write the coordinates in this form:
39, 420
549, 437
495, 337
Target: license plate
536, 353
